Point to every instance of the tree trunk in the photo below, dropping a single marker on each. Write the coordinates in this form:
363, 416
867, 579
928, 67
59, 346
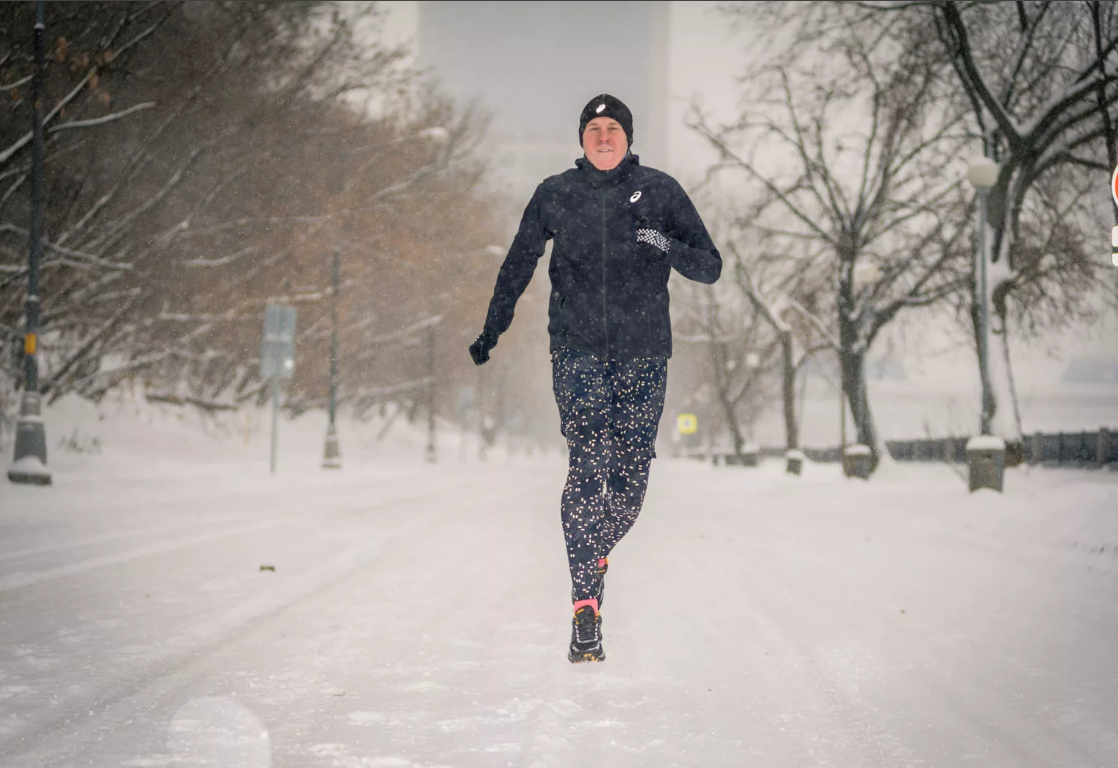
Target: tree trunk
999, 287
852, 358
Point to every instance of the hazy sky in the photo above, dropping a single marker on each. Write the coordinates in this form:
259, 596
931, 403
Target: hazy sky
705, 55
703, 59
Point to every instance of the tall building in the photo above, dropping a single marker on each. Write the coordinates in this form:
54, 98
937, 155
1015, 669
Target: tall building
533, 66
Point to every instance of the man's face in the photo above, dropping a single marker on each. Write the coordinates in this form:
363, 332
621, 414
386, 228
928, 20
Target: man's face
604, 143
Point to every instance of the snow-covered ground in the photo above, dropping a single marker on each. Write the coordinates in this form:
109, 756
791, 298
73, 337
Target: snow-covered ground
418, 615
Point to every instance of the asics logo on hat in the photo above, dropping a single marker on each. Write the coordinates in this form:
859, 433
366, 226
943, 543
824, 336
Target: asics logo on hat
636, 196
601, 108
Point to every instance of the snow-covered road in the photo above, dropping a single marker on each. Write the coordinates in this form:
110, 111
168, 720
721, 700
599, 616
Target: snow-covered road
419, 616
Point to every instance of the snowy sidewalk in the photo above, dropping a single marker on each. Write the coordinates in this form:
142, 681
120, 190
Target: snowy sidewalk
417, 616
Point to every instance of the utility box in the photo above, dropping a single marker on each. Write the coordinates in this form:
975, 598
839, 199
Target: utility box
986, 462
750, 456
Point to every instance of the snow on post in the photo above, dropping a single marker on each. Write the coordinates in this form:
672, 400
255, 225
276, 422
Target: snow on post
986, 443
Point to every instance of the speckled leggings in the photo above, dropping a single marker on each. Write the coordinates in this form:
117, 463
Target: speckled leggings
609, 411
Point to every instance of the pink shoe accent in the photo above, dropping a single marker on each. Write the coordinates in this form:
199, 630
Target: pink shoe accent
591, 602
602, 562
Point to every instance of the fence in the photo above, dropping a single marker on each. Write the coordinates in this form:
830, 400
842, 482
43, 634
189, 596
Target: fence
1059, 449
1056, 449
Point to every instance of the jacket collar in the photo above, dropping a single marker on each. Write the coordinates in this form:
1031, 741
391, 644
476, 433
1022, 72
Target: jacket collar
598, 178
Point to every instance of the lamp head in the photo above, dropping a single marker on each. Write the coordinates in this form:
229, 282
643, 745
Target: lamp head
982, 173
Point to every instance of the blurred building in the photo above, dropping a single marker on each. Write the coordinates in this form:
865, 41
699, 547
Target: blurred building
533, 66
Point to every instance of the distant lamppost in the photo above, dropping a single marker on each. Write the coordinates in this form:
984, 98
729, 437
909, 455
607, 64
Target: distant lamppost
30, 461
985, 453
332, 458
436, 136
432, 451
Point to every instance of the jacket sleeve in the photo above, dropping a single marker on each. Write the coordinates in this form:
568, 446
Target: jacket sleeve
519, 265
692, 252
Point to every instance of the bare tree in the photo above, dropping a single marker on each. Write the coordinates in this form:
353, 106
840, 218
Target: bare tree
734, 351
800, 332
215, 155
1038, 80
863, 137
1041, 80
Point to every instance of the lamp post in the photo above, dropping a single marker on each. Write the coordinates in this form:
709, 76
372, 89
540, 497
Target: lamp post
985, 454
432, 451
332, 458
983, 175
30, 460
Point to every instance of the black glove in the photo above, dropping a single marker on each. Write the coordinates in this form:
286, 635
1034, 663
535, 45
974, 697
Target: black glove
654, 238
479, 350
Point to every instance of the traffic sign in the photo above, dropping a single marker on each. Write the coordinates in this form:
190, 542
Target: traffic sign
687, 424
277, 355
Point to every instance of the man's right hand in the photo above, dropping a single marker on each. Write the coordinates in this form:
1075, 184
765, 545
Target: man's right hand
480, 349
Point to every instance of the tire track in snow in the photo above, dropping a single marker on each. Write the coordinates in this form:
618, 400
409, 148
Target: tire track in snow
222, 631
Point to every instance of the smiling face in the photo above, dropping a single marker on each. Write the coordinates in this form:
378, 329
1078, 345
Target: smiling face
604, 143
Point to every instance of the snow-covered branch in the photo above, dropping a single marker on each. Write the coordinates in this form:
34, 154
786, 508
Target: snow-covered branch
965, 57
77, 256
101, 120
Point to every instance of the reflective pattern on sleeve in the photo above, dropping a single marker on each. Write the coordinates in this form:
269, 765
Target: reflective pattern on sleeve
654, 238
609, 411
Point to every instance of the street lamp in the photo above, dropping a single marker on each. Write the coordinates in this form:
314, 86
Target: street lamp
30, 460
985, 454
432, 451
983, 175
332, 457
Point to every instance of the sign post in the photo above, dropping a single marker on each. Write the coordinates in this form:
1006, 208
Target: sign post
277, 357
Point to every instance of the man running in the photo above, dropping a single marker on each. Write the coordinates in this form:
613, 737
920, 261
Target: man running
619, 229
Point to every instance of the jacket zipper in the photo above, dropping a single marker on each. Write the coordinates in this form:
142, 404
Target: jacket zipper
605, 304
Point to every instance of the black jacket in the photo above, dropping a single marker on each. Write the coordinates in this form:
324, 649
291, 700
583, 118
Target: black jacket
609, 293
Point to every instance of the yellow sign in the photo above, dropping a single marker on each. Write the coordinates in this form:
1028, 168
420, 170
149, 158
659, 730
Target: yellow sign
29, 344
687, 423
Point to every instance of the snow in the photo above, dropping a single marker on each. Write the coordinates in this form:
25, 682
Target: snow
29, 465
418, 614
986, 443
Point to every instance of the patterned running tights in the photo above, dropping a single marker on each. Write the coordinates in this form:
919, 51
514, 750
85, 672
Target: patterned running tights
609, 411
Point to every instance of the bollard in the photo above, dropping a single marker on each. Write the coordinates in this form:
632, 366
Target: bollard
751, 455
986, 462
795, 462
857, 461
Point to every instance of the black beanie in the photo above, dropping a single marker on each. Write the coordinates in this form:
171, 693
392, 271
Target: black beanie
606, 106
